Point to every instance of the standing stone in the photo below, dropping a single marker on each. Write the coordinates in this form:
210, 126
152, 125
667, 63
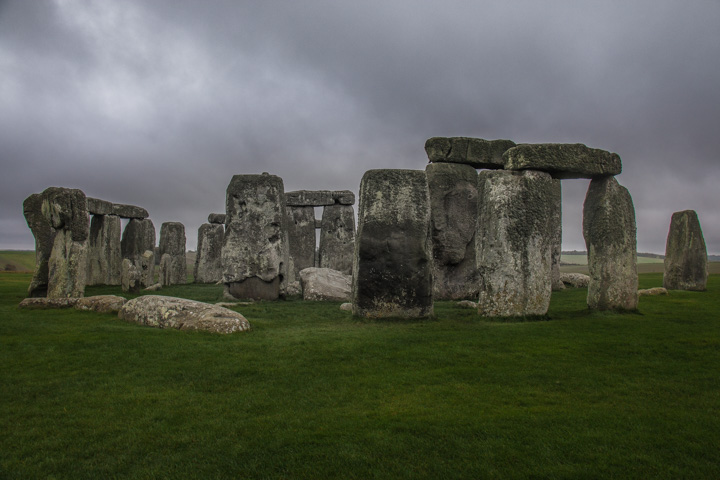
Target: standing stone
104, 253
514, 243
393, 250
556, 254
44, 235
255, 248
454, 206
139, 235
337, 238
686, 260
146, 268
301, 239
66, 210
208, 261
129, 277
172, 243
610, 236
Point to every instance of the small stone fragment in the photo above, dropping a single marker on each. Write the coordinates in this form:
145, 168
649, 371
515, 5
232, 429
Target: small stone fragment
650, 292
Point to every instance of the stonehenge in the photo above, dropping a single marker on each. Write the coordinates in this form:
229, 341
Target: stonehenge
44, 235
686, 261
208, 260
173, 264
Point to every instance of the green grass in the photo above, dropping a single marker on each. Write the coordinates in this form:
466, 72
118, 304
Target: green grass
17, 260
312, 392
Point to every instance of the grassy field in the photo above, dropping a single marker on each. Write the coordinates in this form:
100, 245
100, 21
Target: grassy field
17, 260
312, 392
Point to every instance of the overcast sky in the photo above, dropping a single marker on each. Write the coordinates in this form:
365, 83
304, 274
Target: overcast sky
157, 103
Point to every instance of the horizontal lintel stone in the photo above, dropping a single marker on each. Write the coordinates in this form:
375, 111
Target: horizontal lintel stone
216, 218
129, 211
309, 198
563, 160
476, 152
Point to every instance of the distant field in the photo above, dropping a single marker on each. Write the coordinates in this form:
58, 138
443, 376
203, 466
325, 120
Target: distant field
582, 259
17, 260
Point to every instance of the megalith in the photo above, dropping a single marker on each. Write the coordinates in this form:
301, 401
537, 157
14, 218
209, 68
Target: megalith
337, 238
255, 247
208, 259
137, 238
453, 206
172, 243
66, 211
475, 152
686, 260
301, 238
44, 235
129, 276
514, 242
563, 160
393, 249
610, 237
556, 252
104, 253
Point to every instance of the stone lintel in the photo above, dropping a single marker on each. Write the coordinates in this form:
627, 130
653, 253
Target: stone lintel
563, 160
476, 152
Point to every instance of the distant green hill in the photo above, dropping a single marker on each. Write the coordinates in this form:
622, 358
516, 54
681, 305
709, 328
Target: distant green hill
17, 260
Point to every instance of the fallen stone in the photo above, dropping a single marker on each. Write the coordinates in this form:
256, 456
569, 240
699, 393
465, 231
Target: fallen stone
467, 304
337, 238
476, 152
101, 303
686, 260
610, 237
44, 235
96, 206
153, 288
346, 307
129, 211
563, 160
325, 284
575, 280
44, 302
208, 260
170, 312
650, 292
216, 218
309, 198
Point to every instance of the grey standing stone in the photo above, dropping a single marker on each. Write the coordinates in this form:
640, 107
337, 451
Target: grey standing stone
172, 243
104, 253
337, 238
301, 239
686, 260
393, 250
44, 235
208, 261
610, 236
66, 210
138, 236
475, 152
515, 237
563, 160
255, 248
454, 207
146, 268
556, 254
129, 277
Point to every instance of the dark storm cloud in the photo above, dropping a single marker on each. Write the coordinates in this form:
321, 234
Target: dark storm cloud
159, 103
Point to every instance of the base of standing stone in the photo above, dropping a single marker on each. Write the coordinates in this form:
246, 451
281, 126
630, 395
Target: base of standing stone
255, 288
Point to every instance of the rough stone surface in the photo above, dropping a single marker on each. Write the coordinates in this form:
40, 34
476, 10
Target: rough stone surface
325, 284
467, 304
309, 198
556, 253
337, 238
129, 277
301, 239
454, 207
216, 218
96, 206
104, 253
686, 260
610, 236
44, 235
172, 243
652, 292
146, 268
514, 243
393, 249
156, 287
138, 236
563, 160
255, 248
575, 280
170, 312
129, 211
101, 303
208, 261
346, 307
66, 210
343, 197
475, 152
44, 302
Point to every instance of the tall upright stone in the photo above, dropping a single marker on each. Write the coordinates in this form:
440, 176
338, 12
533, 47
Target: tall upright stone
66, 210
44, 235
556, 254
137, 238
255, 248
610, 237
104, 253
454, 206
208, 261
686, 260
337, 238
172, 243
514, 242
393, 249
301, 238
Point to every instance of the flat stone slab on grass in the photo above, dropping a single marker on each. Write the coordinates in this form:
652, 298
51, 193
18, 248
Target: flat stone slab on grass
101, 303
575, 280
476, 152
563, 160
44, 302
171, 312
325, 284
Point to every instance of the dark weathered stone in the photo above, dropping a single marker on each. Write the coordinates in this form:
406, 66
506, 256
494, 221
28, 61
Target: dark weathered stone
309, 198
138, 236
216, 218
610, 236
514, 241
146, 268
301, 239
208, 260
343, 197
255, 248
96, 206
129, 277
476, 152
337, 238
129, 211
66, 208
686, 260
393, 250
104, 253
556, 252
563, 160
454, 207
44, 238
172, 243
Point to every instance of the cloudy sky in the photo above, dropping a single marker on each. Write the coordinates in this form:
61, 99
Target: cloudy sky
158, 103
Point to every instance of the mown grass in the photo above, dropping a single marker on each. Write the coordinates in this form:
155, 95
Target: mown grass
312, 392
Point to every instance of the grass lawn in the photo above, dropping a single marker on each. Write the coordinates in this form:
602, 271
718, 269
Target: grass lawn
312, 392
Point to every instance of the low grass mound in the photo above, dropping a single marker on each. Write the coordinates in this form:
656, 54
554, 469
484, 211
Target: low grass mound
312, 392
